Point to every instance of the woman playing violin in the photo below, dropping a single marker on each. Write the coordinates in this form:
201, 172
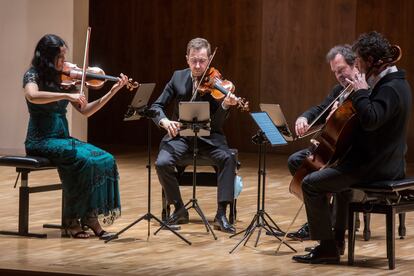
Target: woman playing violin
382, 107
173, 147
89, 175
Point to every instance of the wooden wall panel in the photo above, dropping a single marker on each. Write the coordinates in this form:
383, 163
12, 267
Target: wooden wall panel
147, 40
395, 20
273, 50
296, 37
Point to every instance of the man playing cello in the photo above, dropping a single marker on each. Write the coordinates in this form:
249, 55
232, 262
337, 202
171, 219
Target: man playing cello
382, 104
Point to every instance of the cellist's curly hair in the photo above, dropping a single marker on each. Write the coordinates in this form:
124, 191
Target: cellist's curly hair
372, 44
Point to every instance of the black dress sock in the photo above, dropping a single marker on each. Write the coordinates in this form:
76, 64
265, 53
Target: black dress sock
178, 205
221, 210
339, 235
329, 246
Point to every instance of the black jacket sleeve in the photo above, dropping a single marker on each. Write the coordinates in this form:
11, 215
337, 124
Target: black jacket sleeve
373, 113
163, 101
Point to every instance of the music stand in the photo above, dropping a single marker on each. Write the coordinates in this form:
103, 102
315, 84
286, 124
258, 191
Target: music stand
139, 109
276, 114
195, 120
267, 134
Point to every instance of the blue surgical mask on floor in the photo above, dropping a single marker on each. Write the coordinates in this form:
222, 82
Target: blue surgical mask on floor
238, 186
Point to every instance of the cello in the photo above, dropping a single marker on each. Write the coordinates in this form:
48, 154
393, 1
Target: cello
335, 138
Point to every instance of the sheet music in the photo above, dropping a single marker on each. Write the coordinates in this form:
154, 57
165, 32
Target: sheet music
140, 100
266, 124
188, 111
277, 116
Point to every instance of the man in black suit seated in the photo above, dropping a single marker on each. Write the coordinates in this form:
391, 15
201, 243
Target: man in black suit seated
173, 146
382, 102
341, 59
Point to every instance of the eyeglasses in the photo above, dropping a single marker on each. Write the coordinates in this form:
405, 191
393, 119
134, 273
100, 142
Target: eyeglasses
194, 61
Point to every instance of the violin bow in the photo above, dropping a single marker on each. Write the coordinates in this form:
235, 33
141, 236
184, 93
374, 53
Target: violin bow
194, 93
85, 60
347, 89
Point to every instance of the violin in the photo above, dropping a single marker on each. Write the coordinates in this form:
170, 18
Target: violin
95, 77
336, 136
213, 83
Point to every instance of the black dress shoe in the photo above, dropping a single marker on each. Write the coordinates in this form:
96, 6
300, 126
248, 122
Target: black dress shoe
339, 244
107, 235
276, 233
302, 234
222, 224
318, 256
182, 218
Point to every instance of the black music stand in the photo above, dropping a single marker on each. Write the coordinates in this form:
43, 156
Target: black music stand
276, 114
137, 110
267, 134
195, 119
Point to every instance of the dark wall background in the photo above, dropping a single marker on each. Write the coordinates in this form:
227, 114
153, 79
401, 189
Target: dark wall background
272, 50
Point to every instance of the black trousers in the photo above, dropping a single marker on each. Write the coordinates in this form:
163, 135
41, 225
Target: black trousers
316, 186
296, 159
172, 151
323, 217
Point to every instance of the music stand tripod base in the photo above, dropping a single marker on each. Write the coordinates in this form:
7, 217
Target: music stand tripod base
138, 112
268, 133
195, 116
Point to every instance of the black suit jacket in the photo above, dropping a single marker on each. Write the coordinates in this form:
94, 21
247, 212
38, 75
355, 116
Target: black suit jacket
179, 89
379, 149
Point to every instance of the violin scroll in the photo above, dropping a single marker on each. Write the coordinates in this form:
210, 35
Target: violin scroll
393, 57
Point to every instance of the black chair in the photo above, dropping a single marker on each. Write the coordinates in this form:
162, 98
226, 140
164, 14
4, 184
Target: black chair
383, 197
366, 234
204, 179
25, 165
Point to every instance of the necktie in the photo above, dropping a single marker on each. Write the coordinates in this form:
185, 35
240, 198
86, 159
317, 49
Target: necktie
194, 91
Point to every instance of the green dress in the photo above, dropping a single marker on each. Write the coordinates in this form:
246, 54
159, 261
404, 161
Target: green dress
89, 175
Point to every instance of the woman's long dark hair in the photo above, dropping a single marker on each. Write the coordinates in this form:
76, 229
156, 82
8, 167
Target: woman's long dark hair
46, 51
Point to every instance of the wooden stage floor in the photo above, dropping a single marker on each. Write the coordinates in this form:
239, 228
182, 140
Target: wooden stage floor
165, 254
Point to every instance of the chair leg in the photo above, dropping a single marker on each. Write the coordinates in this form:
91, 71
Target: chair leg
357, 221
23, 228
62, 226
367, 227
165, 213
390, 225
231, 214
401, 227
351, 235
233, 211
24, 210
